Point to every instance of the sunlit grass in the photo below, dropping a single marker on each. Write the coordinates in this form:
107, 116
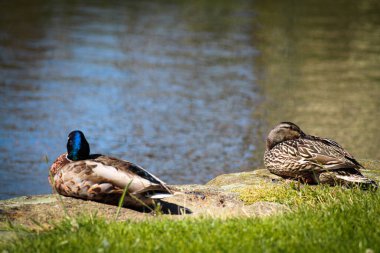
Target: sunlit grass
323, 220
297, 195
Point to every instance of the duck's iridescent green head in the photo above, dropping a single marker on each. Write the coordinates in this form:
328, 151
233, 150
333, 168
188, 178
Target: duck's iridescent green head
77, 146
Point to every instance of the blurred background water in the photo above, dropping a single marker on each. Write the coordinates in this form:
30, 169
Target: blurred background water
187, 89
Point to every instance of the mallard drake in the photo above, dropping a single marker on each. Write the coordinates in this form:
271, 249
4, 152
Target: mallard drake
290, 153
103, 178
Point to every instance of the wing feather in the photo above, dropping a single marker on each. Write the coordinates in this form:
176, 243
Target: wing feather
329, 157
108, 170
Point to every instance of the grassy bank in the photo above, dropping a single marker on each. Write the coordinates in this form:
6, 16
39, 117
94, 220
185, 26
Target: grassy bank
324, 220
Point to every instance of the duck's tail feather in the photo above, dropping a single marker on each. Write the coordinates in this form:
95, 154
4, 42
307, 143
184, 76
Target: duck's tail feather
162, 194
346, 178
159, 195
357, 180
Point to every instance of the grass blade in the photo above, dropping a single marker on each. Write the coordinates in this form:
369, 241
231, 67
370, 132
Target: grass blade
121, 200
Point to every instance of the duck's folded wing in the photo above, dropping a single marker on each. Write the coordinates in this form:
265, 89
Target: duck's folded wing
324, 156
337, 148
125, 174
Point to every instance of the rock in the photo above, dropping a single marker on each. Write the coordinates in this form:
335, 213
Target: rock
244, 194
238, 180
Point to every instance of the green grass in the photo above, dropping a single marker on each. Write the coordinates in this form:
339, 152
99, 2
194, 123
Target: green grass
339, 221
296, 195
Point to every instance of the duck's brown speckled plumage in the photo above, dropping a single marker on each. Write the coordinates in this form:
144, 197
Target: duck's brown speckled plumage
104, 178
293, 154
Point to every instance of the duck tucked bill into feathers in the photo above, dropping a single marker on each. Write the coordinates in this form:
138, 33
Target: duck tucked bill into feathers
103, 178
293, 154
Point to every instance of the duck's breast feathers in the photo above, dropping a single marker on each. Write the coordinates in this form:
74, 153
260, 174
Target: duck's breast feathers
121, 174
60, 162
316, 152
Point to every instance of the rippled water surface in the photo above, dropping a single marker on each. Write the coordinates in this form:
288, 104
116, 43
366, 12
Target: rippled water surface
188, 89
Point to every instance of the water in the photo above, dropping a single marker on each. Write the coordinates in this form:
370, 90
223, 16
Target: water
147, 82
189, 89
319, 67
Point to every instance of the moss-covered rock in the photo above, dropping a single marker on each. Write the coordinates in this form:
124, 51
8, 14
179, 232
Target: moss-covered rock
238, 180
218, 198
254, 193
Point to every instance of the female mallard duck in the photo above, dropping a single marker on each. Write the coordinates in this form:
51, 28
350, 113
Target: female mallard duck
290, 153
102, 178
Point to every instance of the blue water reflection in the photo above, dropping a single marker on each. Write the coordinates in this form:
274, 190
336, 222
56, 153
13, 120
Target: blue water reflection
157, 84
